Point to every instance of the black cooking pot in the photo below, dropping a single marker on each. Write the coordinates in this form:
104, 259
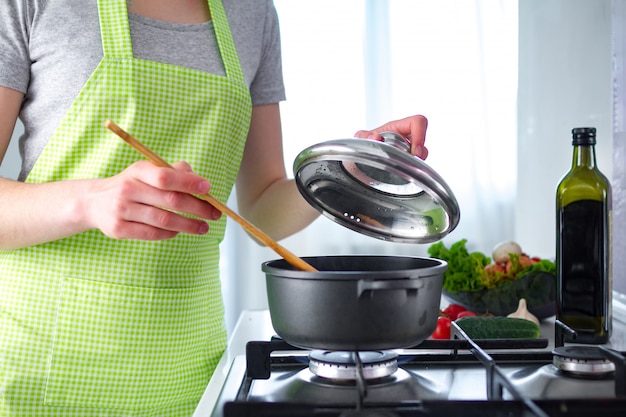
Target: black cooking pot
355, 303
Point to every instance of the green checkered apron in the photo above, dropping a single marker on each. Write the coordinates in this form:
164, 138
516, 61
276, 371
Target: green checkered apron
96, 326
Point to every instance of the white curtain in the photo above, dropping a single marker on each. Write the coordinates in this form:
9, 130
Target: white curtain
355, 64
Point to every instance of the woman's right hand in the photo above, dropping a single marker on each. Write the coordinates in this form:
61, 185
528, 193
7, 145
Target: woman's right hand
149, 202
142, 202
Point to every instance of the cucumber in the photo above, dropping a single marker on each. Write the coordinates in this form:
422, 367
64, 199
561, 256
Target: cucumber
497, 327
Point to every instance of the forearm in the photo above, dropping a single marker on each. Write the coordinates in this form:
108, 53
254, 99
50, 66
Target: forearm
31, 214
142, 202
281, 211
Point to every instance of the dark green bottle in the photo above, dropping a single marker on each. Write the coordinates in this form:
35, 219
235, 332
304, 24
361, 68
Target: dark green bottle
583, 252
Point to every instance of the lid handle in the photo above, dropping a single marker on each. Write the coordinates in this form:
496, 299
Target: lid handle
397, 141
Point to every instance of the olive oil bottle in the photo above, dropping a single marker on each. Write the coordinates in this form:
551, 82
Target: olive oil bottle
583, 252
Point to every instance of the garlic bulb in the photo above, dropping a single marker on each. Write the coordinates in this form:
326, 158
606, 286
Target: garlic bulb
523, 313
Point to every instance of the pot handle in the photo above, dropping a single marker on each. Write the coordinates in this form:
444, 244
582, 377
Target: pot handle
389, 284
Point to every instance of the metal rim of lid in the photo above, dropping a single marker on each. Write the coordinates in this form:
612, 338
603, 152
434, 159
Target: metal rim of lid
377, 188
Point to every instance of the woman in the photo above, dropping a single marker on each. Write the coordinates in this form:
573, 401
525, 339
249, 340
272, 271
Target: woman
110, 298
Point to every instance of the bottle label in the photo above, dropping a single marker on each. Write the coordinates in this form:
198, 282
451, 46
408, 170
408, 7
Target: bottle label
583, 267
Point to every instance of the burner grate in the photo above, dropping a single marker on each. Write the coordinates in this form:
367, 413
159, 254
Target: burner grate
262, 363
258, 364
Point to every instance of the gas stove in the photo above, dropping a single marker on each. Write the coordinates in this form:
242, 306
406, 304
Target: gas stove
438, 377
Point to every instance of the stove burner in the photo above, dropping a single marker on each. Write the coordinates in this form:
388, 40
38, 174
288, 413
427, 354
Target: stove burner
582, 360
338, 365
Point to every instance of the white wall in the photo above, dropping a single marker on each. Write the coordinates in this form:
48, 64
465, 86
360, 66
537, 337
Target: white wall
619, 154
565, 81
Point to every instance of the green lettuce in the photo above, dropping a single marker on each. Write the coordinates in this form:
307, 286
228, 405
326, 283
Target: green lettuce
465, 269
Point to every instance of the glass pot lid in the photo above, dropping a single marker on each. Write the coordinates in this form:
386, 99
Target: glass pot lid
377, 188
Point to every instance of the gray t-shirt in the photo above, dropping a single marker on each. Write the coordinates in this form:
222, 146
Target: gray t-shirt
48, 50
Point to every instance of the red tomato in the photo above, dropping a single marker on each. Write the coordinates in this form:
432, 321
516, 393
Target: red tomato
452, 311
466, 313
442, 331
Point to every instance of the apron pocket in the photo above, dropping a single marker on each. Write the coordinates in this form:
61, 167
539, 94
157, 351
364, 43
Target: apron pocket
128, 347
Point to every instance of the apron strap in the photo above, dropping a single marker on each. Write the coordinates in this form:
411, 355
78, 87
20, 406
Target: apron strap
225, 42
115, 29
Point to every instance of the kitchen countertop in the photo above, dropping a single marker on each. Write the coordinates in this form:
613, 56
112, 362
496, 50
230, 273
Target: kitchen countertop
256, 325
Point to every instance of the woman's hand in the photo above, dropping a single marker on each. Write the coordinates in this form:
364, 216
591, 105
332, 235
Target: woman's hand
148, 202
413, 128
142, 202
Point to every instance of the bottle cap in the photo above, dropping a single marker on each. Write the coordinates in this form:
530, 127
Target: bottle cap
583, 136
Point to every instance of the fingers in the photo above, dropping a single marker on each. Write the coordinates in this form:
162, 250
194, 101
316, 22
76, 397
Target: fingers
174, 189
181, 178
150, 202
144, 221
182, 166
146, 230
413, 128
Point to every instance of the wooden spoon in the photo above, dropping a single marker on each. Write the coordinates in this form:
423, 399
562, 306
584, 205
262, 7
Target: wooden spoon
249, 227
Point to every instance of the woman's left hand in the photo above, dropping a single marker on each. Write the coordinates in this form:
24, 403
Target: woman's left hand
413, 128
